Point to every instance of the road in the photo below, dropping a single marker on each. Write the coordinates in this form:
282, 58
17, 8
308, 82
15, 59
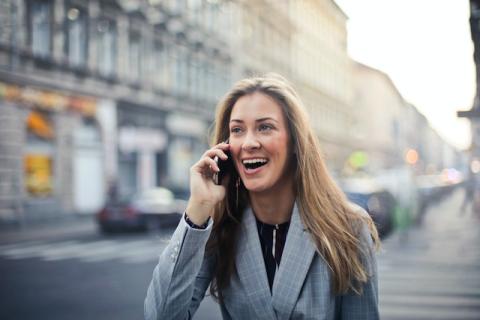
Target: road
73, 272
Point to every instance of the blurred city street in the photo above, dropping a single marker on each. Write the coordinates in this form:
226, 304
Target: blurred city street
71, 271
105, 105
433, 270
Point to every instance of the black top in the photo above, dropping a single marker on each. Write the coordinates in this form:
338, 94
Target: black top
272, 240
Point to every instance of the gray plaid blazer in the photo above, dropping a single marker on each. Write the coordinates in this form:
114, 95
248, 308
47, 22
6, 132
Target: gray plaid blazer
301, 288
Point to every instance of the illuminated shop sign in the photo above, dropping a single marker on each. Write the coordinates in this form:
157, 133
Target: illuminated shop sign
38, 174
133, 139
39, 125
47, 100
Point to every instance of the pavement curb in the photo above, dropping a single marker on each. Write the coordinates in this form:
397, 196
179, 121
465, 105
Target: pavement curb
38, 230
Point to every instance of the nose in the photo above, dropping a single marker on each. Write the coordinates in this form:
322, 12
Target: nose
250, 143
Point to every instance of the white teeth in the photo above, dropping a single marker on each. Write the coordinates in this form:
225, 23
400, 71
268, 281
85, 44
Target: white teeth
255, 161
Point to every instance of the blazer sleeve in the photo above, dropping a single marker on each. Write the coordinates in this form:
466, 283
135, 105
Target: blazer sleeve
182, 275
364, 306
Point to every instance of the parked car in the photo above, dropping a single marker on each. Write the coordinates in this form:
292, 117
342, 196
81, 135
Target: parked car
148, 209
377, 201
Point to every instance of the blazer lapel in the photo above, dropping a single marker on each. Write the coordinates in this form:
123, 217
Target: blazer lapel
251, 268
297, 257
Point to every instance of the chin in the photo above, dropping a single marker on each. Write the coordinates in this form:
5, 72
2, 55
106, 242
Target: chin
255, 187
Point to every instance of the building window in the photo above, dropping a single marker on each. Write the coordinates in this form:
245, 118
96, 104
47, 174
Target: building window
106, 45
181, 70
40, 32
134, 56
172, 67
7, 17
76, 36
161, 73
202, 76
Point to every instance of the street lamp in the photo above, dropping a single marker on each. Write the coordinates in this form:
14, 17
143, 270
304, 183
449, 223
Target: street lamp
474, 114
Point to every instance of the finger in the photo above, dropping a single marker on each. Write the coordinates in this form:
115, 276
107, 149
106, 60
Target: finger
216, 152
221, 146
206, 163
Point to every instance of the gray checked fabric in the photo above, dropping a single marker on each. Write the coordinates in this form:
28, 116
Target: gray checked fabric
301, 288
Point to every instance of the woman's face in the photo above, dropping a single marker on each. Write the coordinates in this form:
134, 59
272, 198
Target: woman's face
260, 142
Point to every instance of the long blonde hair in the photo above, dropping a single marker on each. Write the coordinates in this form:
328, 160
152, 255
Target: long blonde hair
324, 209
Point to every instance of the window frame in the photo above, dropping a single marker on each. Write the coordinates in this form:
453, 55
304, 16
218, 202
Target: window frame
36, 53
83, 14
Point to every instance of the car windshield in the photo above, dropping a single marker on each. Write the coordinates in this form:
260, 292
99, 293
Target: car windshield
155, 194
120, 199
358, 198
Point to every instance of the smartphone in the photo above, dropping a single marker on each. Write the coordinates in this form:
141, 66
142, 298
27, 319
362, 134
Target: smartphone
225, 166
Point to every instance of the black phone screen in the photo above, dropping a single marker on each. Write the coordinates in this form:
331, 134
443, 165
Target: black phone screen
225, 166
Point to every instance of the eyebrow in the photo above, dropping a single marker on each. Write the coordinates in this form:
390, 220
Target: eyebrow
257, 120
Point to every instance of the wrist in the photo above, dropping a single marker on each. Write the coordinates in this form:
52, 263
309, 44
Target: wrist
199, 212
194, 225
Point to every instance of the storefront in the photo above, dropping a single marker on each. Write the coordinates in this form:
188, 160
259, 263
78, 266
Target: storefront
89, 185
188, 141
43, 135
39, 154
142, 143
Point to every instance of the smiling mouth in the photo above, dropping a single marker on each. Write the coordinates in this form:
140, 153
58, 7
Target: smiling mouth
254, 164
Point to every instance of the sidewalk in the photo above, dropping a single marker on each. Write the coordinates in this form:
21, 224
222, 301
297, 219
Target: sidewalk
432, 271
51, 228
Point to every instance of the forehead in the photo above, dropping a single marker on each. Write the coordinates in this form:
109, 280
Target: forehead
257, 106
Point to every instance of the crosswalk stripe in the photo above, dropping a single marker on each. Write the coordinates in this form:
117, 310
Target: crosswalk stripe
141, 248
93, 251
422, 313
96, 248
5, 247
469, 277
421, 300
142, 256
436, 290
72, 251
32, 250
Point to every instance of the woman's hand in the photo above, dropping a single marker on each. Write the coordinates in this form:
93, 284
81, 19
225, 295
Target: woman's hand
204, 194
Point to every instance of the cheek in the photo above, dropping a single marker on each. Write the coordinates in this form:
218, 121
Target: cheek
277, 146
234, 150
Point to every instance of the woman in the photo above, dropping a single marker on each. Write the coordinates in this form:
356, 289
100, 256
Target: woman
278, 239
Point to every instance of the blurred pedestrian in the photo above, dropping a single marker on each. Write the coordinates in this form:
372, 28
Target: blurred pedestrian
277, 239
112, 191
469, 193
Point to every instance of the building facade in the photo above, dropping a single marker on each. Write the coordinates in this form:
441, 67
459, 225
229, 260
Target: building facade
95, 94
322, 73
378, 107
390, 128
304, 41
104, 94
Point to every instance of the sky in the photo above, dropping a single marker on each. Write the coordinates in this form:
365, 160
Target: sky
425, 47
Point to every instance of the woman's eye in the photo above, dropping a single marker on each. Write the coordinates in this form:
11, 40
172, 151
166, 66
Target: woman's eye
265, 127
235, 130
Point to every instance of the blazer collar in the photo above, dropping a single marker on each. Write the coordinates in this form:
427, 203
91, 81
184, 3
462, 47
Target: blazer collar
251, 268
296, 259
